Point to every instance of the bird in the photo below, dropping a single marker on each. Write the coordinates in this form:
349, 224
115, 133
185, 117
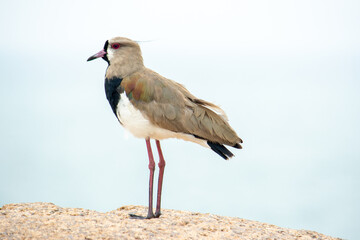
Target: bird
151, 106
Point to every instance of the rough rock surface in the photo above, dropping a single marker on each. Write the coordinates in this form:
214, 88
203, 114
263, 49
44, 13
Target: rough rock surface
48, 221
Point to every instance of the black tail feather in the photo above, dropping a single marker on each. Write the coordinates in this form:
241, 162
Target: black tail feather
221, 150
238, 146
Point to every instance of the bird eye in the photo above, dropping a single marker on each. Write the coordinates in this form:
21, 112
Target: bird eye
115, 45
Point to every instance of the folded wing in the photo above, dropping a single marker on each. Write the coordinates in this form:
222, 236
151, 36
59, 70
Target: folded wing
170, 105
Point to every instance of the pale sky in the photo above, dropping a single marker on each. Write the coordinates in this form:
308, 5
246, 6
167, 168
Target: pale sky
286, 73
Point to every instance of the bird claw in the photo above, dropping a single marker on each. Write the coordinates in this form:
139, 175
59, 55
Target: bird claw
149, 216
134, 216
157, 214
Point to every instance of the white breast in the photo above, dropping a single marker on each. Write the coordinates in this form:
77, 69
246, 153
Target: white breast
136, 123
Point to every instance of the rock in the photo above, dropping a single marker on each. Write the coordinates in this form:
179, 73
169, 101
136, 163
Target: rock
48, 221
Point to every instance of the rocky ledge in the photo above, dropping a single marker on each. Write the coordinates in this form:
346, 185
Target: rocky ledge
48, 221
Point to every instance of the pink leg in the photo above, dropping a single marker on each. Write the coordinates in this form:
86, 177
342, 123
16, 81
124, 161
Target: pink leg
151, 182
161, 175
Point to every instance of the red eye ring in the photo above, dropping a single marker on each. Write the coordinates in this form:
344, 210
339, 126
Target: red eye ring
115, 45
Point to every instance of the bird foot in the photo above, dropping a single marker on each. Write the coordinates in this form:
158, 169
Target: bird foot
134, 216
157, 214
149, 216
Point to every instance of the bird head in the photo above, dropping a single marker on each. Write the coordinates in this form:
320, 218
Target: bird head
122, 54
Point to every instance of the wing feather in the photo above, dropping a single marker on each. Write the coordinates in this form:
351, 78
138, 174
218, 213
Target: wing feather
170, 105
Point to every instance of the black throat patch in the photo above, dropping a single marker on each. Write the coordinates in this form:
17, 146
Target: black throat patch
105, 49
112, 91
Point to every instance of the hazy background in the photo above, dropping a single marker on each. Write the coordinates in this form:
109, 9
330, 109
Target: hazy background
286, 72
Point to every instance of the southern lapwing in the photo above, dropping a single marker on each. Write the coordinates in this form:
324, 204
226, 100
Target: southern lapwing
153, 107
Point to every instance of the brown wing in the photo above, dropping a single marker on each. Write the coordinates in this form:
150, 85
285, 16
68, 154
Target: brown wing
169, 105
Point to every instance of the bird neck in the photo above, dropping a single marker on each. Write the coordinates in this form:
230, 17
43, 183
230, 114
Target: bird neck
124, 67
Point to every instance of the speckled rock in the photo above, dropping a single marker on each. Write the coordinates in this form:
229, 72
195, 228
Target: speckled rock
48, 221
